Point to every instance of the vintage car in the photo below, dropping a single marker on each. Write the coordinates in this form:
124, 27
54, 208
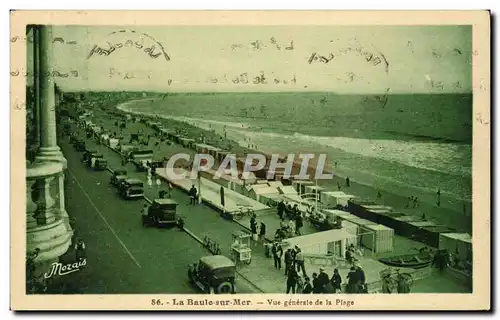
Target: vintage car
132, 188
97, 162
116, 175
79, 145
162, 212
87, 155
213, 274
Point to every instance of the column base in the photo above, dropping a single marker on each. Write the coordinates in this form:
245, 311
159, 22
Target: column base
66, 221
51, 154
53, 240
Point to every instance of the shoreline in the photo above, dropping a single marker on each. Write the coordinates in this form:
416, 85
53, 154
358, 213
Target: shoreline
363, 189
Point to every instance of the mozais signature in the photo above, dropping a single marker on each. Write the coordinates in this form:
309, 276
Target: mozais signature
60, 269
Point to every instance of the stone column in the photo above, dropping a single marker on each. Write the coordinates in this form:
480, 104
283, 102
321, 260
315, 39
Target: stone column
36, 82
49, 150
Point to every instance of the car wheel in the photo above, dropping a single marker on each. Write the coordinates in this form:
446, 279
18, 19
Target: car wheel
225, 287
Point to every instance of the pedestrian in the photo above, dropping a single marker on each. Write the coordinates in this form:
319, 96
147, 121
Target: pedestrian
281, 209
323, 279
339, 186
80, 250
170, 188
277, 252
336, 164
415, 202
308, 288
352, 281
299, 261
288, 260
298, 224
291, 281
150, 182
158, 183
262, 232
362, 288
336, 281
379, 195
192, 195
316, 286
347, 182
253, 227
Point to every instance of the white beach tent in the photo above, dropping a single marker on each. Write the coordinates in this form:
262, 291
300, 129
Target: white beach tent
325, 242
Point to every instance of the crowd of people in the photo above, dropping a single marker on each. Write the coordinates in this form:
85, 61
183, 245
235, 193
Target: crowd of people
298, 281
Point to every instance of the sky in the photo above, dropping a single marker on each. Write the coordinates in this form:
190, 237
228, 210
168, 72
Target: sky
342, 59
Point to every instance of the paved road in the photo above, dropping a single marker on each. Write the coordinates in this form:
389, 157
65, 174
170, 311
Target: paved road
124, 257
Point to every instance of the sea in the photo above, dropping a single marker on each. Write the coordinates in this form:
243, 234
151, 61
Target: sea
405, 144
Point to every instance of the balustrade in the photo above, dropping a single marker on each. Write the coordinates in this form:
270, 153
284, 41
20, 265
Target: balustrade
46, 229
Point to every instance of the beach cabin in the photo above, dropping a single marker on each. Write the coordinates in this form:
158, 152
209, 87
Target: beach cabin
373, 211
361, 223
331, 242
357, 206
416, 230
256, 190
335, 198
275, 184
314, 190
300, 185
113, 143
401, 225
270, 199
431, 234
378, 238
458, 244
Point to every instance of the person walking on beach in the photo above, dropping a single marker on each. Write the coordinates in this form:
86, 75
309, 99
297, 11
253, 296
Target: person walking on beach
415, 202
339, 186
379, 195
347, 182
150, 182
158, 183
438, 200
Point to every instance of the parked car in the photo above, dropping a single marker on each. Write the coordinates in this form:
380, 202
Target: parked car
213, 274
132, 188
115, 176
97, 162
162, 212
